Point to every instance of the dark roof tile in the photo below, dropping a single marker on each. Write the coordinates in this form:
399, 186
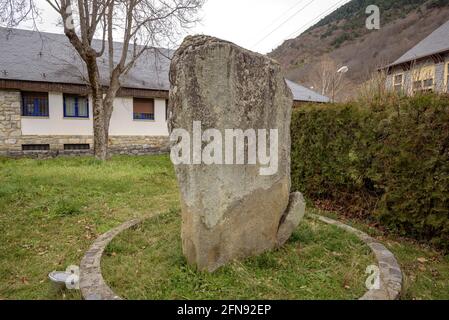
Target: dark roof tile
41, 56
436, 42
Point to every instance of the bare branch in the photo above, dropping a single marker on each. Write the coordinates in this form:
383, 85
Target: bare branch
140, 26
15, 12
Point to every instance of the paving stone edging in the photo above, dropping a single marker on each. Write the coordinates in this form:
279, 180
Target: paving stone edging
390, 271
93, 286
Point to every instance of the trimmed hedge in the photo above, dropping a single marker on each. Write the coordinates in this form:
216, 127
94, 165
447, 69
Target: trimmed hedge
389, 163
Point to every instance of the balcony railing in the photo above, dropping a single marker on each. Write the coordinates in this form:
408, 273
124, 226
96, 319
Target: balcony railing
143, 116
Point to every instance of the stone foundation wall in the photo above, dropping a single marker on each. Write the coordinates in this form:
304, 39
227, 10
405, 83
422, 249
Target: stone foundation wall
139, 144
131, 145
10, 126
12, 140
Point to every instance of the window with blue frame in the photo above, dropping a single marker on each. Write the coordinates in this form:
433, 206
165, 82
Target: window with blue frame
35, 104
76, 106
143, 109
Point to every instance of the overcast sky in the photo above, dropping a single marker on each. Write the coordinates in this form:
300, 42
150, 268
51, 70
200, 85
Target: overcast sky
259, 25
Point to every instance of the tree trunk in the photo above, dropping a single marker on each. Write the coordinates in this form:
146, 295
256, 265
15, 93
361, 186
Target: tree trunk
101, 136
103, 108
102, 105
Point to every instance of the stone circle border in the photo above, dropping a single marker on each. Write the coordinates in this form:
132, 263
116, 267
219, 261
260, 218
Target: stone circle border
390, 271
93, 286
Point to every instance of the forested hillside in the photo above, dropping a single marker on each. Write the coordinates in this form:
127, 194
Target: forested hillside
341, 38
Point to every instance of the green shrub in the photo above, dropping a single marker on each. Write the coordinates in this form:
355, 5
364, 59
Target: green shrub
389, 163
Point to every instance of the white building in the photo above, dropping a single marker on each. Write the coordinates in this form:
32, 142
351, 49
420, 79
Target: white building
45, 104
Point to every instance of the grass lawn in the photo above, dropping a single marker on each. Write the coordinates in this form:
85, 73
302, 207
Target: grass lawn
319, 262
52, 210
425, 270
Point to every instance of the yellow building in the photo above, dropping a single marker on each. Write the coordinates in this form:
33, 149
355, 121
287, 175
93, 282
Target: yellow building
425, 67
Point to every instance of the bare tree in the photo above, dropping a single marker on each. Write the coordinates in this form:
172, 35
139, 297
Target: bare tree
326, 78
374, 89
140, 25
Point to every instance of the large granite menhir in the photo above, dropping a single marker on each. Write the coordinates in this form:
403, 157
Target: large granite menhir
231, 212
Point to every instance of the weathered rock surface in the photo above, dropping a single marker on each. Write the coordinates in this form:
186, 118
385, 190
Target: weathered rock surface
231, 211
292, 217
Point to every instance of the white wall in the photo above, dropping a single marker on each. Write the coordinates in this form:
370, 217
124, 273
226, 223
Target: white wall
56, 124
122, 123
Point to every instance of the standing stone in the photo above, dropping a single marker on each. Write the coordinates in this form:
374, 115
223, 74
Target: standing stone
231, 211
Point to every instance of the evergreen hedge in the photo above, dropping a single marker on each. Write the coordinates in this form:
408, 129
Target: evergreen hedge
388, 162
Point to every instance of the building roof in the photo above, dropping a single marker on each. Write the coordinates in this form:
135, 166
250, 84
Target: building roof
436, 42
304, 94
49, 57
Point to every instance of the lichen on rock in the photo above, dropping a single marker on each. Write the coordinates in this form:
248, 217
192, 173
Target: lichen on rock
230, 211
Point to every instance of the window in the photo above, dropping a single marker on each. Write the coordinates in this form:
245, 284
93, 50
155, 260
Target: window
423, 78
428, 83
76, 106
417, 85
35, 104
398, 82
423, 85
143, 109
77, 146
35, 147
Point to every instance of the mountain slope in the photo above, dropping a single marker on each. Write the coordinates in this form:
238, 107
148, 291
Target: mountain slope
341, 38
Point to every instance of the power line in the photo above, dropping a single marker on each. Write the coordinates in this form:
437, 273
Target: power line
318, 17
280, 16
283, 23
